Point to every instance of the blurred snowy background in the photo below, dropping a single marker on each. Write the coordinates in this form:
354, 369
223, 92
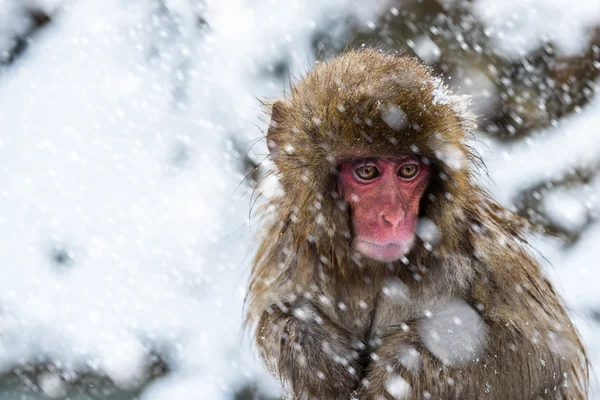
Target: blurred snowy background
127, 147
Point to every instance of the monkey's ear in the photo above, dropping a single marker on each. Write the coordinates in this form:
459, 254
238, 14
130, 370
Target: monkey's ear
278, 111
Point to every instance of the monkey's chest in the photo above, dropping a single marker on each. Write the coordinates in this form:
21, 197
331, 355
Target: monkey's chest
371, 314
393, 312
382, 310
354, 311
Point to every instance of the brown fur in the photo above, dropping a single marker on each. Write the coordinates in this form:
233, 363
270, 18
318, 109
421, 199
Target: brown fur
328, 323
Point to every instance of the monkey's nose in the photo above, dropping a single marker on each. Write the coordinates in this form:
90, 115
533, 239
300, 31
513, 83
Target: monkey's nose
392, 218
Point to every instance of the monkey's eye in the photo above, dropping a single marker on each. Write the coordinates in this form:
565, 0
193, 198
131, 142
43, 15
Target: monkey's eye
366, 172
408, 171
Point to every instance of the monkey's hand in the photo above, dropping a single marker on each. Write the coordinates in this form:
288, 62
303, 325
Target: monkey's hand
312, 356
401, 368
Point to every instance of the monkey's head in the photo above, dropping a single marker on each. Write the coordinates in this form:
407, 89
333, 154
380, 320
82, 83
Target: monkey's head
369, 148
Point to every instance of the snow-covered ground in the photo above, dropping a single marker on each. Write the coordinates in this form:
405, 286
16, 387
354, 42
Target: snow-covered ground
124, 229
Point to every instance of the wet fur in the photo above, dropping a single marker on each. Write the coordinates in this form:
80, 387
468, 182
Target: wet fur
323, 321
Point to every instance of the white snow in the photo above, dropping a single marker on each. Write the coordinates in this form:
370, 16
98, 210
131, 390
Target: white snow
517, 27
566, 210
123, 228
452, 156
428, 231
550, 153
411, 359
397, 387
441, 94
483, 93
454, 333
52, 385
396, 290
394, 117
426, 49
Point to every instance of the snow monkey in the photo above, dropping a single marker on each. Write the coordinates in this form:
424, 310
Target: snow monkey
385, 271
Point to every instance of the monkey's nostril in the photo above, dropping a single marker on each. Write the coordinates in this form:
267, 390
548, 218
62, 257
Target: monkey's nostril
392, 219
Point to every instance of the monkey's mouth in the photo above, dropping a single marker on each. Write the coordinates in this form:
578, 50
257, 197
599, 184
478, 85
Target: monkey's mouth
385, 252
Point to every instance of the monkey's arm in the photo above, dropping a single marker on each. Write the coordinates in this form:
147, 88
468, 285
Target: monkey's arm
509, 368
312, 356
509, 339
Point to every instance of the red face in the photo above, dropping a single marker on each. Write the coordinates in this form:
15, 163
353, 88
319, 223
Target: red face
384, 196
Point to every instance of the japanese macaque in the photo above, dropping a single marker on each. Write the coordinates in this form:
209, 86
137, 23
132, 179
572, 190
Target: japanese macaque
385, 271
